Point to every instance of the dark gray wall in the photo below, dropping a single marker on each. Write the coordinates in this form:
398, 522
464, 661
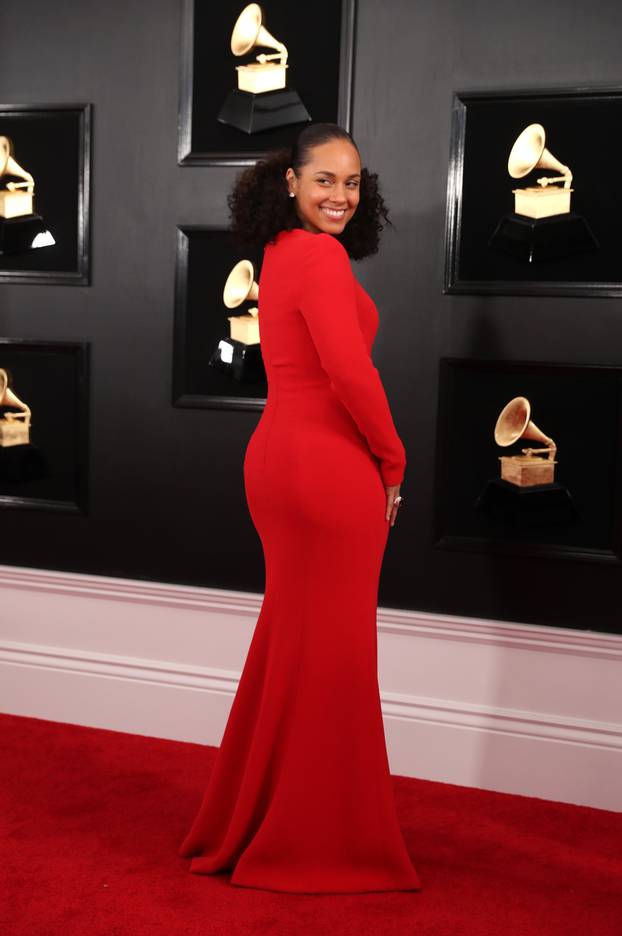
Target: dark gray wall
167, 497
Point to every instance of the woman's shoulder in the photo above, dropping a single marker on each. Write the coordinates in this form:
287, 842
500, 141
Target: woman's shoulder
317, 249
309, 243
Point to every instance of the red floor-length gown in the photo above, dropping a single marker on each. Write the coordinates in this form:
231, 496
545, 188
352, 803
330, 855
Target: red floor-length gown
300, 796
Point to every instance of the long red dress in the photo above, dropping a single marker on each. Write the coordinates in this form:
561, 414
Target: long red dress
300, 796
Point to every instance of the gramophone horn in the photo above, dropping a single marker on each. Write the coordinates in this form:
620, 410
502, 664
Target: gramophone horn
240, 285
5, 153
8, 166
529, 153
7, 397
248, 31
514, 423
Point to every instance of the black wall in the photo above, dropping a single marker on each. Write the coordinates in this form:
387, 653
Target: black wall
167, 498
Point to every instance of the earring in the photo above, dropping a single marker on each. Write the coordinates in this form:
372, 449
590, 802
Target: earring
292, 194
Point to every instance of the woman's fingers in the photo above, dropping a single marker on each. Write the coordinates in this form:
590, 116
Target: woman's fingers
394, 510
393, 502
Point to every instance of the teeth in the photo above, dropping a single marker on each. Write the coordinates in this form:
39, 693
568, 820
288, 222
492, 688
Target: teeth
333, 213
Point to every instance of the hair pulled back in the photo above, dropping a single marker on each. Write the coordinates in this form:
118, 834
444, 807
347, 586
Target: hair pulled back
260, 206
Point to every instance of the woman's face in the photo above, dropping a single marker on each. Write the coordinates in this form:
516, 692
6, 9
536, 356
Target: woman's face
327, 189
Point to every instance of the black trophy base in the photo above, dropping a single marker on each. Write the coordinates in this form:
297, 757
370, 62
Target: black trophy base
527, 508
22, 463
253, 113
238, 360
535, 239
19, 234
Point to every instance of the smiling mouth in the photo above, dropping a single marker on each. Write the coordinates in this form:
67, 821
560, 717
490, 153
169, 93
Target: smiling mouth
336, 215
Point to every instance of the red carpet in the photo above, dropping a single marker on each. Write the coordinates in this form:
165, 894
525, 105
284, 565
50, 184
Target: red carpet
92, 820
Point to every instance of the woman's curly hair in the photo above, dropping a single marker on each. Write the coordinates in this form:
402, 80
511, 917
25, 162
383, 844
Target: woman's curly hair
260, 206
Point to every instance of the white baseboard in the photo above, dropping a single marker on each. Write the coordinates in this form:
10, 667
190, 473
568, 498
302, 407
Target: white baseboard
501, 706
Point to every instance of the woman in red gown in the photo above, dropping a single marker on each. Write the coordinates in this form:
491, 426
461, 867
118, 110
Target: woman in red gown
300, 796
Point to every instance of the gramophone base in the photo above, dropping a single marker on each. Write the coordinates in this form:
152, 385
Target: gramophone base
253, 113
19, 234
22, 463
535, 239
238, 360
526, 507
526, 471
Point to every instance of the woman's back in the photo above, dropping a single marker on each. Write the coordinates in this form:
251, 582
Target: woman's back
288, 351
317, 326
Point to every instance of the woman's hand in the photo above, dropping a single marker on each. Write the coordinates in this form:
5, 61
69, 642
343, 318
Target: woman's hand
393, 492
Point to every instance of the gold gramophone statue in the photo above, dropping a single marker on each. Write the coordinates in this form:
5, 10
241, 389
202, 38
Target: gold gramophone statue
239, 355
526, 495
14, 427
543, 227
262, 99
20, 228
239, 288
529, 468
547, 198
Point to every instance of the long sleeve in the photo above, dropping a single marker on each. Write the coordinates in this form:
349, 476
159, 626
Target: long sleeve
328, 305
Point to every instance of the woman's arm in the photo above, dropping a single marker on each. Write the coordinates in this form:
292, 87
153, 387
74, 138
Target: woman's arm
328, 306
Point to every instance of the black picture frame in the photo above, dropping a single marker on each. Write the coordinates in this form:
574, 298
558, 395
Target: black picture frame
580, 406
583, 129
207, 77
53, 143
205, 256
52, 378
